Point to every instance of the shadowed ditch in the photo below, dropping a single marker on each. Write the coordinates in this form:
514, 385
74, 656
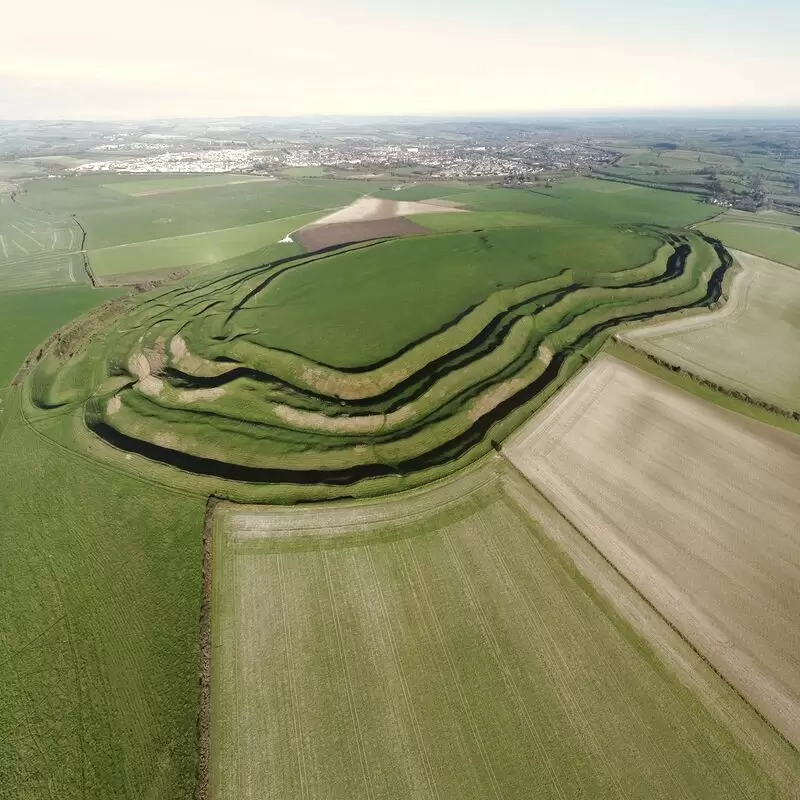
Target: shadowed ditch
438, 455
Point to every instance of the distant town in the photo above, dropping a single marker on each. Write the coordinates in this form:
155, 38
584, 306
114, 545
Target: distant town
517, 160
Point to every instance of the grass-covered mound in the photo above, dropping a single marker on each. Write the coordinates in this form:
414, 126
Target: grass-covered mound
377, 367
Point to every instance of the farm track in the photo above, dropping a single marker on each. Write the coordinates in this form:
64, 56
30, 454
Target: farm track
437, 401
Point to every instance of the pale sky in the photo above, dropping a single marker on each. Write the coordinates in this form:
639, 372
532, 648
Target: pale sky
99, 59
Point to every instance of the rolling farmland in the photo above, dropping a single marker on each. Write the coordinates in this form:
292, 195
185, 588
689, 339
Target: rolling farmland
749, 346
777, 243
27, 318
441, 645
140, 226
100, 577
695, 506
442, 629
38, 250
249, 377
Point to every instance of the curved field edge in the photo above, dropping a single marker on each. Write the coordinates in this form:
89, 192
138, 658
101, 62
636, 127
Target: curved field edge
337, 537
318, 484
747, 349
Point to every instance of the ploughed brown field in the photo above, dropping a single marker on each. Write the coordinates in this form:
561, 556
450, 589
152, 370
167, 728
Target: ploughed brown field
318, 237
697, 506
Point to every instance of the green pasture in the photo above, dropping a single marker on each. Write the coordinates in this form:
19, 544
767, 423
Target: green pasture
589, 202
113, 217
27, 318
475, 220
99, 608
156, 185
779, 244
460, 654
214, 247
426, 191
37, 249
766, 217
404, 289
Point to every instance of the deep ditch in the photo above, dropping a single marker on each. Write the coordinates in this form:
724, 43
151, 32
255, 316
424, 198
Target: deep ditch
417, 384
436, 457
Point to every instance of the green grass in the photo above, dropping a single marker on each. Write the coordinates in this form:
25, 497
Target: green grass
154, 185
210, 248
403, 289
112, 217
386, 421
427, 191
99, 605
776, 244
304, 172
27, 318
141, 226
590, 202
457, 655
37, 249
478, 220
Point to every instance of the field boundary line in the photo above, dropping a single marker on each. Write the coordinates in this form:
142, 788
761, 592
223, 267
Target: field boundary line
215, 230
552, 650
737, 394
627, 616
202, 788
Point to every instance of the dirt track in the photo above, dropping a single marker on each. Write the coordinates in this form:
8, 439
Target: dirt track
696, 506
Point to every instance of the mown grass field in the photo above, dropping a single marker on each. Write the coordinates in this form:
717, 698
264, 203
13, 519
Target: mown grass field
444, 646
112, 216
141, 225
748, 347
37, 249
27, 318
200, 249
781, 244
475, 220
592, 202
99, 602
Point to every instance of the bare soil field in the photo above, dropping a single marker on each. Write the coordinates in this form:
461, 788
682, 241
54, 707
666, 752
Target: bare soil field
698, 507
749, 345
318, 237
374, 208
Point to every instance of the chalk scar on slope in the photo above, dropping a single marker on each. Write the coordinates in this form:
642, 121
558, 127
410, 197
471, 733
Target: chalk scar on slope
694, 505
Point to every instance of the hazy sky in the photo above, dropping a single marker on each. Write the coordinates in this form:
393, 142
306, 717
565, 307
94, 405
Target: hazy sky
93, 59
